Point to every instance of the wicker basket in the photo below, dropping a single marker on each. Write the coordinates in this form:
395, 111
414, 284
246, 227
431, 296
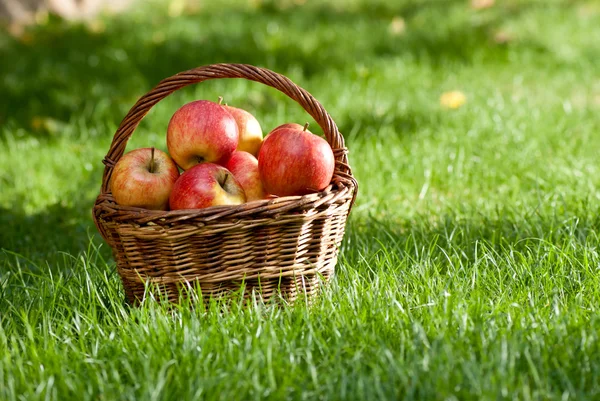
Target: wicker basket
286, 245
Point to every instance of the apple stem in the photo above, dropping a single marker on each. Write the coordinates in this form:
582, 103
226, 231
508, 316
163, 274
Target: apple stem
220, 99
152, 160
225, 179
305, 127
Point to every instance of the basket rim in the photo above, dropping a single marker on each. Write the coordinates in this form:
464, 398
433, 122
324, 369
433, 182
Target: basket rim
107, 209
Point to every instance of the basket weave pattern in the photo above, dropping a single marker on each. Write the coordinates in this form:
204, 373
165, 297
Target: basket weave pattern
285, 245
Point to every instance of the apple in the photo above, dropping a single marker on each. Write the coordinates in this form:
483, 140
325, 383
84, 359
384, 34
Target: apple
144, 178
244, 168
201, 131
251, 135
204, 185
293, 161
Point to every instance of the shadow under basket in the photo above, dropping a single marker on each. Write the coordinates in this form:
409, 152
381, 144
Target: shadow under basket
284, 246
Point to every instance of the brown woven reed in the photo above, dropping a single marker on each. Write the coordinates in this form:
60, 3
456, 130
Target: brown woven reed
286, 245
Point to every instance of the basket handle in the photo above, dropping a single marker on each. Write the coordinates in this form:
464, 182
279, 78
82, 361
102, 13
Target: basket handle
167, 86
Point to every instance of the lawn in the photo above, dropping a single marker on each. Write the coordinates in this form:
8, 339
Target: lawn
470, 269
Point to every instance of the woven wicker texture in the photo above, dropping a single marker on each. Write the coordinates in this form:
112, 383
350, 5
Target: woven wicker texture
286, 245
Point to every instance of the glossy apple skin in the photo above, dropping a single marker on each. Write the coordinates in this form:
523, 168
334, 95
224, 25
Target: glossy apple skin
244, 168
133, 184
205, 185
251, 135
201, 131
295, 162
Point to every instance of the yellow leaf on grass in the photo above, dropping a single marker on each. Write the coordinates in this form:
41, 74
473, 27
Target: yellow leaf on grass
42, 17
47, 124
176, 8
397, 26
452, 99
482, 4
96, 26
21, 33
503, 37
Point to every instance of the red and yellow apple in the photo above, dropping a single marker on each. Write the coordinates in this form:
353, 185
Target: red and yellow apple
205, 185
202, 131
144, 178
244, 168
251, 135
292, 161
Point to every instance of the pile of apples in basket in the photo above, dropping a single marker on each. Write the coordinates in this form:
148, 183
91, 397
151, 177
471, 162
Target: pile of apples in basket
224, 161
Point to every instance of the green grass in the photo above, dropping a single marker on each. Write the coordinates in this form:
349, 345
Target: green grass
470, 266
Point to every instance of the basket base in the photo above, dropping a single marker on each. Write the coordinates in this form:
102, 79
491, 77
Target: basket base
288, 255
288, 289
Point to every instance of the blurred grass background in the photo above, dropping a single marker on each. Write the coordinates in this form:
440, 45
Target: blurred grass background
526, 67
473, 132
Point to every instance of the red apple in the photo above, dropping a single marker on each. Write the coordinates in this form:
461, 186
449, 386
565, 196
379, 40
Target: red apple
204, 185
251, 136
144, 178
244, 168
201, 131
292, 161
